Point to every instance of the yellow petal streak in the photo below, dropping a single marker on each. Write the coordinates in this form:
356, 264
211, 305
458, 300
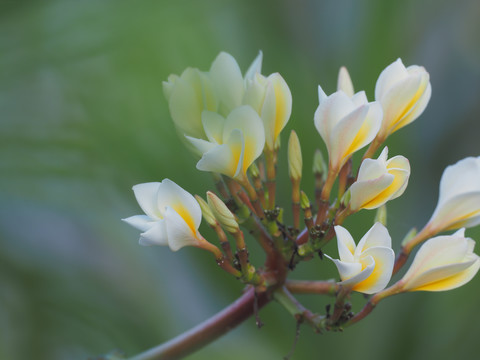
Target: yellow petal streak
357, 141
185, 215
369, 282
385, 195
450, 282
397, 123
280, 110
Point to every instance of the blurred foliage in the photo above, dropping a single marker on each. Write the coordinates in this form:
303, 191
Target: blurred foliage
82, 119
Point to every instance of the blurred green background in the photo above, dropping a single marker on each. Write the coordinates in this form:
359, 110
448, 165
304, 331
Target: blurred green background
83, 118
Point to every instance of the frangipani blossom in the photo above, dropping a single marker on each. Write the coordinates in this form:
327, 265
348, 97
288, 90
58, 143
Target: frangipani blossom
346, 124
404, 94
459, 200
367, 267
221, 89
442, 263
172, 215
379, 181
234, 143
271, 98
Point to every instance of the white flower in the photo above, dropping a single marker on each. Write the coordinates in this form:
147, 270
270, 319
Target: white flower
172, 215
346, 124
404, 94
221, 89
379, 181
234, 143
442, 263
459, 200
367, 267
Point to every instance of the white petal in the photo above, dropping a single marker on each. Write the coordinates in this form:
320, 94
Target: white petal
146, 195
140, 222
227, 80
347, 270
156, 235
344, 82
391, 75
360, 99
213, 125
417, 109
255, 67
436, 252
363, 194
461, 210
384, 259
201, 146
345, 243
362, 275
218, 159
180, 200
178, 232
377, 236
321, 95
246, 120
255, 93
371, 169
186, 104
462, 177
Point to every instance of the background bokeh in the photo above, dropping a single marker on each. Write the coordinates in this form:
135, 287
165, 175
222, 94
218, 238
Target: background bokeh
83, 118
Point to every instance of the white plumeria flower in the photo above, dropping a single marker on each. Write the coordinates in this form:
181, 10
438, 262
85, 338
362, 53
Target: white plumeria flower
172, 215
404, 94
442, 263
346, 124
367, 267
459, 199
234, 143
379, 181
221, 89
344, 82
271, 98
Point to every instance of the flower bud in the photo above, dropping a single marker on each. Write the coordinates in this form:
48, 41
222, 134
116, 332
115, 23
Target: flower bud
442, 263
379, 181
304, 201
294, 157
344, 82
206, 211
221, 212
319, 165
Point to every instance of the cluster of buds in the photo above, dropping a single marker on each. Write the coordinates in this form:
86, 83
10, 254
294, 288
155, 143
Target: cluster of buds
232, 124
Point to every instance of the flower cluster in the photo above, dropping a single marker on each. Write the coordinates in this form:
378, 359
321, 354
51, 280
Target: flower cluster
233, 122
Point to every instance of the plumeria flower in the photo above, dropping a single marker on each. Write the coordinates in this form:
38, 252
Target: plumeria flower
346, 124
221, 89
442, 263
233, 143
379, 181
404, 94
172, 215
459, 201
271, 98
367, 267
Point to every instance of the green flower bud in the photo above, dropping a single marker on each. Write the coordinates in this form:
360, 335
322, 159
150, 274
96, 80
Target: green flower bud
221, 212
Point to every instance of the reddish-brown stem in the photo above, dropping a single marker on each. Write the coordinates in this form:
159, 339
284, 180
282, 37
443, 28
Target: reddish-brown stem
208, 331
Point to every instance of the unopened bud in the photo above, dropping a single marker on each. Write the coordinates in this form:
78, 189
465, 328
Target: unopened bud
319, 165
294, 157
304, 201
206, 211
381, 215
346, 198
221, 212
254, 171
344, 82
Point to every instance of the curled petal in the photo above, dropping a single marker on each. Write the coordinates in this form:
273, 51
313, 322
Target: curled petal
346, 244
140, 222
227, 81
377, 236
255, 67
156, 235
361, 276
213, 124
347, 270
146, 195
382, 271
179, 232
